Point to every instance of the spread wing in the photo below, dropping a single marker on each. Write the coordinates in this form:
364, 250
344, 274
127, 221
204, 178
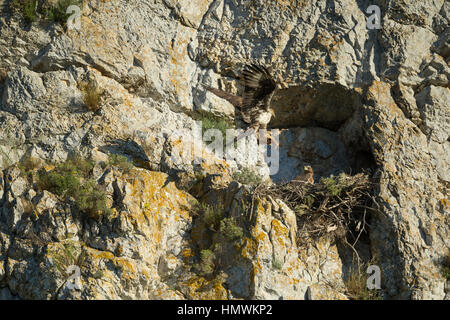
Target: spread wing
258, 86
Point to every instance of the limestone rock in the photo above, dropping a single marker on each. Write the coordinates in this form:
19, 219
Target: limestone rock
434, 107
356, 99
117, 258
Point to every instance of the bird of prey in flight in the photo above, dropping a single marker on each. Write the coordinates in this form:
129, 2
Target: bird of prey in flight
254, 103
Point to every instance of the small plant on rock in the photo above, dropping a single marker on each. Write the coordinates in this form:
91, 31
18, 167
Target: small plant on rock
206, 265
71, 179
53, 12
214, 122
356, 286
58, 12
230, 230
65, 255
247, 176
91, 95
27, 8
446, 267
216, 237
92, 200
334, 185
59, 181
120, 161
212, 216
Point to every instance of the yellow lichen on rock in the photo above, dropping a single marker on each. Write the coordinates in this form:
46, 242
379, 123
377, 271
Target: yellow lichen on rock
198, 288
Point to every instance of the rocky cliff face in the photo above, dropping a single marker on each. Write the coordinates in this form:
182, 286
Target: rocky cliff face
358, 100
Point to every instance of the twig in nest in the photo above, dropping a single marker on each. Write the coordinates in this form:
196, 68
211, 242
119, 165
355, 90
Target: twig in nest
331, 207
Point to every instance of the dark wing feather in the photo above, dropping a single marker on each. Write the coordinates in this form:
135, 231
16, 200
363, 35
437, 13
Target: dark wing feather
258, 84
231, 98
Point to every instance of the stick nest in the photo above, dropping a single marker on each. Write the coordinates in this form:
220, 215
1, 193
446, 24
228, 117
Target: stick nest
335, 207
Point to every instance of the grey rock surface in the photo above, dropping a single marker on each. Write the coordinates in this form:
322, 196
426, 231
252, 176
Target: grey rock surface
356, 99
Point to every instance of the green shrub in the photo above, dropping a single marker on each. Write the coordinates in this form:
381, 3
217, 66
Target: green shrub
92, 200
71, 179
57, 13
54, 13
212, 215
28, 9
78, 163
334, 185
230, 230
66, 177
59, 182
214, 218
206, 265
446, 267
247, 176
122, 162
214, 122
216, 237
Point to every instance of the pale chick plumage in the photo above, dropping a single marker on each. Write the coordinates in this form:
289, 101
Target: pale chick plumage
306, 176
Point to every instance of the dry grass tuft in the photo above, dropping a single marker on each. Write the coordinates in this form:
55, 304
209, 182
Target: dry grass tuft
91, 95
356, 287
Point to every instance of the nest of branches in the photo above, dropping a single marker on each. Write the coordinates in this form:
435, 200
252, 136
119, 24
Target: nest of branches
335, 207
